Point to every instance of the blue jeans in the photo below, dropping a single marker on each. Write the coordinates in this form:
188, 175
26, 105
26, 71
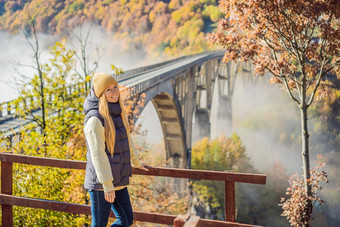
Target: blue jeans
121, 207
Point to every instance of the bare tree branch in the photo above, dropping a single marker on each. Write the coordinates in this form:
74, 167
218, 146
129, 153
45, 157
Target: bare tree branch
317, 83
83, 58
289, 91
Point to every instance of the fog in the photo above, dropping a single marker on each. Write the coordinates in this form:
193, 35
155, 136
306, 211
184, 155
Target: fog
16, 52
261, 112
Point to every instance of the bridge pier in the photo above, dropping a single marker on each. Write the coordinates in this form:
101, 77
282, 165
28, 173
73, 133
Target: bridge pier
201, 127
223, 124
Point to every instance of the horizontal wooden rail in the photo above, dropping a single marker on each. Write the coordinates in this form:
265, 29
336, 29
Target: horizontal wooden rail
153, 171
7, 160
86, 209
40, 161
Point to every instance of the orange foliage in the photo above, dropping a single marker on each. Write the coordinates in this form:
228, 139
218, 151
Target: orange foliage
148, 23
294, 207
287, 38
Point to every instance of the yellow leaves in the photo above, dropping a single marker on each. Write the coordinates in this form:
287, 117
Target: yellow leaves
186, 12
116, 70
159, 7
219, 154
152, 17
88, 78
174, 4
322, 93
224, 153
212, 12
190, 31
47, 183
50, 183
176, 16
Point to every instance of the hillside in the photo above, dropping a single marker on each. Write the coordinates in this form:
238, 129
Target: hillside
173, 27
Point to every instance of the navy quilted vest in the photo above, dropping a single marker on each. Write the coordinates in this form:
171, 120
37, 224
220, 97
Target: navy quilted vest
120, 162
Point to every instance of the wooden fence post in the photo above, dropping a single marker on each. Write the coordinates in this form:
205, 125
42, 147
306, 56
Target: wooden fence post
7, 188
180, 220
229, 195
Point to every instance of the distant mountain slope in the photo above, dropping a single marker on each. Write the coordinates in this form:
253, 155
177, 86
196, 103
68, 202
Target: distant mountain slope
173, 27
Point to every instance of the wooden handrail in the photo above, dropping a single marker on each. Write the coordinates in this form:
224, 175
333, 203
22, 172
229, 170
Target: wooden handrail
165, 219
8, 200
153, 171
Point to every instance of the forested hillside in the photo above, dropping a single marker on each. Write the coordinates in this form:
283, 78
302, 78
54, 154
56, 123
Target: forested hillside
173, 27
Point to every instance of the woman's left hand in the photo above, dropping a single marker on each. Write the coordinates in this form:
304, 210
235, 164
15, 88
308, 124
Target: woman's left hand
143, 167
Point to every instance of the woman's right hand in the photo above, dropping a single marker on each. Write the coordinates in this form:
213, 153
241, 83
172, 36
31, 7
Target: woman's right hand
110, 196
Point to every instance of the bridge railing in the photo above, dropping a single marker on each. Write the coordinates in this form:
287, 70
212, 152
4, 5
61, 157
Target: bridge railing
8, 200
133, 72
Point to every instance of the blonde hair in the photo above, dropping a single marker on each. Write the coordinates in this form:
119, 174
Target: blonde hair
110, 132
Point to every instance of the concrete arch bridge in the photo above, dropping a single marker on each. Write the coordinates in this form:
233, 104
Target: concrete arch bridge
182, 91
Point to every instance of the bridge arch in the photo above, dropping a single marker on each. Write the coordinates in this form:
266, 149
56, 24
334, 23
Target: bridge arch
167, 107
172, 128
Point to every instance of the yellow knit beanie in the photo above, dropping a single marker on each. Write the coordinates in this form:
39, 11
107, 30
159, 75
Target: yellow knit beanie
101, 81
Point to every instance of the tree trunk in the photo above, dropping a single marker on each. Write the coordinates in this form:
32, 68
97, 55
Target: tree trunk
305, 160
42, 101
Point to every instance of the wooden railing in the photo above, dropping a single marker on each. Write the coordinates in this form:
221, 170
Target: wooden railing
8, 200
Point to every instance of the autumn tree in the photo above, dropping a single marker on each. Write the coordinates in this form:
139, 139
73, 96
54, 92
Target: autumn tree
222, 154
297, 42
52, 99
60, 139
38, 89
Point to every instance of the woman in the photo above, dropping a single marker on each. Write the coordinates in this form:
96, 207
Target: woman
109, 144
